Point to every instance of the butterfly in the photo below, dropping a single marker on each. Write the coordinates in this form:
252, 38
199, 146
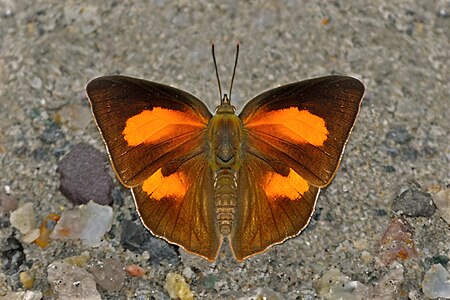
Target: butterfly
252, 179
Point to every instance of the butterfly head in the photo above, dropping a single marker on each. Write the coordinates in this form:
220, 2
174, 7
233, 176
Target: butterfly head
225, 106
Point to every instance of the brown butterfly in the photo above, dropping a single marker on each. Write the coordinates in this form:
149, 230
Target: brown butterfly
252, 178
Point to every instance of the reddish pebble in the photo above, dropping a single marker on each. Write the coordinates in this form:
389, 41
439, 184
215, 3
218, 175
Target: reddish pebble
135, 270
396, 243
109, 274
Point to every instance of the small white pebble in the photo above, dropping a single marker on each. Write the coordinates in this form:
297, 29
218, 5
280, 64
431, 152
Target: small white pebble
145, 255
436, 282
31, 236
86, 222
188, 273
23, 218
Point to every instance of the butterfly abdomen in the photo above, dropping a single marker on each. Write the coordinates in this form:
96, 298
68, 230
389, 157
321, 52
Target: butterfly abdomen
225, 197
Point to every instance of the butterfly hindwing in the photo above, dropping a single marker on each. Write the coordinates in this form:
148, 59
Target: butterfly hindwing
146, 124
179, 207
304, 125
272, 207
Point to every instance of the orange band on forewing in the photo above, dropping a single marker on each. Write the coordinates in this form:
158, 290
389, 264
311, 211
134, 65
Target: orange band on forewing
296, 125
151, 126
173, 186
292, 186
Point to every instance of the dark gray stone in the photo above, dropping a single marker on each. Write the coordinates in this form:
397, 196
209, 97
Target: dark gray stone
438, 259
136, 238
409, 153
414, 203
84, 177
51, 134
389, 169
379, 212
12, 255
117, 195
399, 135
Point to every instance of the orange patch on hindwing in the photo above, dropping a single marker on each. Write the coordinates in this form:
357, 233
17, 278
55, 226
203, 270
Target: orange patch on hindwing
293, 124
159, 186
150, 126
292, 186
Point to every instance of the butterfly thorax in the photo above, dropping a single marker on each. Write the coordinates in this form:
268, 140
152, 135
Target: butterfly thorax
225, 137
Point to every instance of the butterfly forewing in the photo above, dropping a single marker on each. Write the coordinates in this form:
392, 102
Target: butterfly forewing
146, 124
304, 125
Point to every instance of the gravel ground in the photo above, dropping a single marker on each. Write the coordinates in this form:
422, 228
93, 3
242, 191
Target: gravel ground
50, 49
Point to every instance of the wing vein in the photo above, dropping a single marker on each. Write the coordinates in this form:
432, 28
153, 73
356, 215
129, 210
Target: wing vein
291, 144
162, 156
277, 148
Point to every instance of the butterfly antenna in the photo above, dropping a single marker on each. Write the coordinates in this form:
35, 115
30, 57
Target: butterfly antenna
217, 72
234, 70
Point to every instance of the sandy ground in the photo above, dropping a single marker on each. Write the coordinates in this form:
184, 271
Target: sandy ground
49, 50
